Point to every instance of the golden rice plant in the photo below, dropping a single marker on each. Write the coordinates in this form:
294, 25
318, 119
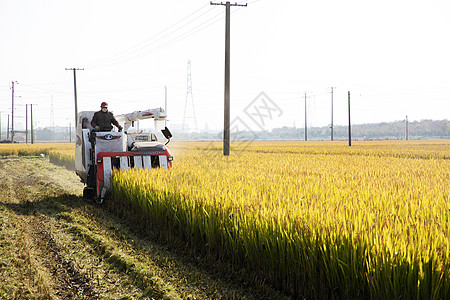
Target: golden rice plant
315, 219
36, 149
62, 154
65, 158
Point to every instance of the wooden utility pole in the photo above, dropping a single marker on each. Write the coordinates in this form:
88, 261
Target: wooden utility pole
349, 122
226, 114
75, 91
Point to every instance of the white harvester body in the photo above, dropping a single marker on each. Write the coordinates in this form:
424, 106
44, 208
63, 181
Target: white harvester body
97, 153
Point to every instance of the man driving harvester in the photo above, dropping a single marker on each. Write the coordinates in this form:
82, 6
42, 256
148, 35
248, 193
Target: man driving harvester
104, 119
101, 121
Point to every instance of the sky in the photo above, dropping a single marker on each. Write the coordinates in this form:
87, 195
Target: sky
392, 56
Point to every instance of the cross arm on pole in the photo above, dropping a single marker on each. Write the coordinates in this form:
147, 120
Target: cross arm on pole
221, 3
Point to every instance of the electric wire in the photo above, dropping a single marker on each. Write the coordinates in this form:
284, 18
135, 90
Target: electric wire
142, 47
146, 48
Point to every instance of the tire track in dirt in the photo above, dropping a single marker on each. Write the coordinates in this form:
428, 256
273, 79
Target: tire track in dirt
49, 272
67, 283
73, 249
60, 263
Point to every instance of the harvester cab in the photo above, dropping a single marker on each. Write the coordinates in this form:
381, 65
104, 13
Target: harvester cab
97, 153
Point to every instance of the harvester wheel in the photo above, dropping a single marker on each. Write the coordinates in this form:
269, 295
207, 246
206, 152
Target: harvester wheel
105, 194
88, 193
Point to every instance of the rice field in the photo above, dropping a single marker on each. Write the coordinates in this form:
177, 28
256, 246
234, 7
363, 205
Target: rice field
316, 219
62, 154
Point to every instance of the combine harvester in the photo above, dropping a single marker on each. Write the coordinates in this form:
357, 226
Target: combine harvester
112, 149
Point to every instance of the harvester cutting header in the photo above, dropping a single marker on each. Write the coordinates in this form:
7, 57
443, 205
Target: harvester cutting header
99, 149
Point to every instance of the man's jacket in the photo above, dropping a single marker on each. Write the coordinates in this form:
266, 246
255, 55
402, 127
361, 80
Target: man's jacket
104, 120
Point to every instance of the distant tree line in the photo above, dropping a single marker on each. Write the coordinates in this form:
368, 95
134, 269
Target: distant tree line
424, 129
57, 134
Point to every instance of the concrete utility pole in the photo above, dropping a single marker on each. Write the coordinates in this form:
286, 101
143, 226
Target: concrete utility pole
32, 128
7, 130
306, 123
331, 113
226, 120
75, 91
349, 123
26, 123
12, 110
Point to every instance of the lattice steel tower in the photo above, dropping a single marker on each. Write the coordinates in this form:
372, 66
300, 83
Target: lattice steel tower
189, 117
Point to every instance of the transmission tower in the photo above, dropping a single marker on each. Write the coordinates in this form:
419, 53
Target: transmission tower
189, 108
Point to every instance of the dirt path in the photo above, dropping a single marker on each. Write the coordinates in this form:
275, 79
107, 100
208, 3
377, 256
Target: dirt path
55, 245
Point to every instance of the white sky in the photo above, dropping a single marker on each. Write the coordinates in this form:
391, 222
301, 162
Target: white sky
393, 56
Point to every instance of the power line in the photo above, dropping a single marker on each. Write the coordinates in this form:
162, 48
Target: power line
44, 90
150, 44
190, 32
137, 51
137, 46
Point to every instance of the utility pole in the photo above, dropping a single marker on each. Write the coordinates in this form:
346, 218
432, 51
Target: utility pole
32, 130
26, 123
349, 123
7, 130
331, 113
226, 114
12, 110
306, 123
75, 91
406, 128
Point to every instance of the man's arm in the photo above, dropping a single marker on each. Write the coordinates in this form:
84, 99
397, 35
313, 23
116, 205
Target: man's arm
94, 122
115, 122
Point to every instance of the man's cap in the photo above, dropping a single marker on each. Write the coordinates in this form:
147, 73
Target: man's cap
104, 104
